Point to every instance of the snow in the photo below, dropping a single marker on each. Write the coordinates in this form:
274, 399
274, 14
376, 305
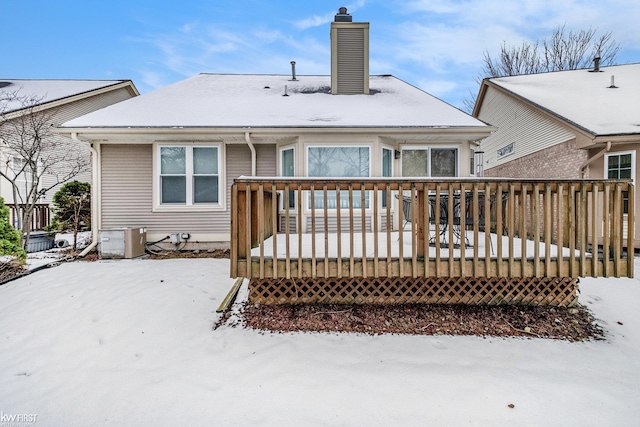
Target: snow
214, 100
130, 342
585, 98
331, 245
50, 90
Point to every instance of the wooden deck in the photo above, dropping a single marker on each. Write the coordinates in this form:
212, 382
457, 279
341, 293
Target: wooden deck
461, 230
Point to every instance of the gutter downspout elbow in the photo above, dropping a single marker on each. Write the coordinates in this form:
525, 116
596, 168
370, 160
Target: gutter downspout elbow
94, 197
597, 156
254, 162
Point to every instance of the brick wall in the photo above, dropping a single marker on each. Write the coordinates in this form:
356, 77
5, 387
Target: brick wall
559, 161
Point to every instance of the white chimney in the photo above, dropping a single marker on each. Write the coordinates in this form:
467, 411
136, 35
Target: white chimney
349, 55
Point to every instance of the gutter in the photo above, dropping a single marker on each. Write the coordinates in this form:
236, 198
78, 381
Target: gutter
254, 162
95, 195
596, 157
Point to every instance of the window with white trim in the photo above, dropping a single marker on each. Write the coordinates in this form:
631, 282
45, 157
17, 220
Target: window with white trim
189, 175
430, 162
288, 168
621, 166
338, 162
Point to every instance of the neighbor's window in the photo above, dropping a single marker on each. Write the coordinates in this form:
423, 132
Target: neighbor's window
621, 166
505, 151
430, 162
189, 175
338, 162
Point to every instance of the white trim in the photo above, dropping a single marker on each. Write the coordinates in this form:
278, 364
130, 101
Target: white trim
620, 153
209, 207
428, 148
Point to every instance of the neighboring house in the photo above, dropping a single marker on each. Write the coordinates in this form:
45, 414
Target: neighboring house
61, 101
167, 159
566, 124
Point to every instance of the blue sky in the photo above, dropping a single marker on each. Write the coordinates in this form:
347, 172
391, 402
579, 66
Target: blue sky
436, 45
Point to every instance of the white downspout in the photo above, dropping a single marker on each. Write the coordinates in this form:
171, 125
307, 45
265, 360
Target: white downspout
254, 161
95, 195
597, 156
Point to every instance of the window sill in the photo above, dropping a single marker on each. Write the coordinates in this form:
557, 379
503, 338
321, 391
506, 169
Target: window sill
192, 208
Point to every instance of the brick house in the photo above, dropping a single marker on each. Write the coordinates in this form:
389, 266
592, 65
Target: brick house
567, 124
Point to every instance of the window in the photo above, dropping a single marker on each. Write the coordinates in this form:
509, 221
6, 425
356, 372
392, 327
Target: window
430, 162
505, 151
387, 170
338, 162
472, 161
189, 175
621, 166
287, 166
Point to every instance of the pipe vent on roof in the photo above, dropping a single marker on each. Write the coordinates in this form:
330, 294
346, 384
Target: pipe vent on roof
613, 83
293, 71
596, 65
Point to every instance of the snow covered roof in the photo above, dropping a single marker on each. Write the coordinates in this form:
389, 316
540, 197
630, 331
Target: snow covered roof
259, 101
49, 90
584, 97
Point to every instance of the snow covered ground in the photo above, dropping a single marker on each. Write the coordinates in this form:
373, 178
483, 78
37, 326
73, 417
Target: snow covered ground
130, 343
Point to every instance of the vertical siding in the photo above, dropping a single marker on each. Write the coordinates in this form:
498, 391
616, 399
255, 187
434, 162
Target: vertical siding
517, 123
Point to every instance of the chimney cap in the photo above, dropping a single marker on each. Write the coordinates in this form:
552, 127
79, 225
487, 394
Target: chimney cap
343, 16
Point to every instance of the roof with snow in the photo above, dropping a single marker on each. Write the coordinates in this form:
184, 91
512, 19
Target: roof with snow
48, 90
275, 101
584, 97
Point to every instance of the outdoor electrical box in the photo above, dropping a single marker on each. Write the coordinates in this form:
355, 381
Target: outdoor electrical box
123, 242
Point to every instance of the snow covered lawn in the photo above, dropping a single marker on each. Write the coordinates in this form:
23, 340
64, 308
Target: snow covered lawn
130, 343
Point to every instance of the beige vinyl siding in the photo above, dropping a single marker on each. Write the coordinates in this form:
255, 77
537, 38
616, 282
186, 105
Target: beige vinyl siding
127, 196
127, 190
528, 129
239, 162
84, 106
350, 60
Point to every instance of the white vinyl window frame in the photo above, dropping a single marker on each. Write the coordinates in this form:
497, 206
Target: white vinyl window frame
619, 154
307, 204
189, 205
284, 173
429, 148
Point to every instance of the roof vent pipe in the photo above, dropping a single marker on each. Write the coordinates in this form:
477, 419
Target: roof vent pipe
596, 64
613, 84
293, 71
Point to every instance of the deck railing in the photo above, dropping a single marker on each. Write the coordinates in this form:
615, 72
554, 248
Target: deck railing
430, 228
40, 218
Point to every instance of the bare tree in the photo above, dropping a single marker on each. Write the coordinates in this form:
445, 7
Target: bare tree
564, 50
34, 160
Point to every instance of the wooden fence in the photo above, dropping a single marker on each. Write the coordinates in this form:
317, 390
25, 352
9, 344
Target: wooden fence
40, 219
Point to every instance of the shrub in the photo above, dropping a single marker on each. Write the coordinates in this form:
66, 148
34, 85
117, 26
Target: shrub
72, 208
9, 236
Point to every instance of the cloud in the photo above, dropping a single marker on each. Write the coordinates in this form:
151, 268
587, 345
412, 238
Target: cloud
319, 20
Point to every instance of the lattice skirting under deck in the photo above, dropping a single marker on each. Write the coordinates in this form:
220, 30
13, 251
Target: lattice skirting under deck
558, 291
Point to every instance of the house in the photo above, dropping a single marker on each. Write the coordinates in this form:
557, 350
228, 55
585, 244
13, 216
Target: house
53, 101
166, 160
566, 124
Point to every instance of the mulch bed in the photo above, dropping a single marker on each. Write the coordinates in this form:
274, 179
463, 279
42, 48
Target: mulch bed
571, 324
11, 270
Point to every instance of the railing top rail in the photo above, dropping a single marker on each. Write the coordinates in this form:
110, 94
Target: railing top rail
343, 180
